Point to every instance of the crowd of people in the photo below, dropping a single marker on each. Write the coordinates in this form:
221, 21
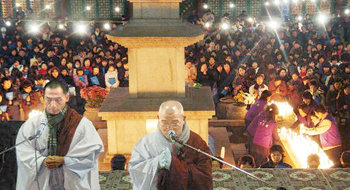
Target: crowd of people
301, 62
29, 60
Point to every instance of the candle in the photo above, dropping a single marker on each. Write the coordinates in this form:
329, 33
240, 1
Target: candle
222, 152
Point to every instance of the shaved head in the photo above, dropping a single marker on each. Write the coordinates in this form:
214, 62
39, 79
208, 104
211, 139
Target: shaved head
171, 107
171, 117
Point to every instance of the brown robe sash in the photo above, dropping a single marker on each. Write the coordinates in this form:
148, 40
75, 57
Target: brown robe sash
189, 170
67, 130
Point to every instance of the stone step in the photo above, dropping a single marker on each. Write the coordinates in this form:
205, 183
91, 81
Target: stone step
220, 137
226, 123
238, 150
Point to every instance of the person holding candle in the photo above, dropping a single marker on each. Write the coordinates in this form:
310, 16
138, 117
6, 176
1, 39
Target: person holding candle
30, 98
257, 107
325, 126
11, 97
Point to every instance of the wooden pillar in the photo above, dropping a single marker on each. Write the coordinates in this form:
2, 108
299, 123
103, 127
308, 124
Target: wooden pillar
41, 8
97, 9
84, 8
220, 7
332, 6
111, 9
1, 15
14, 10
249, 6
27, 4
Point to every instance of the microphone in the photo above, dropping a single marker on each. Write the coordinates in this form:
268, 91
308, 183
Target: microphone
43, 124
172, 137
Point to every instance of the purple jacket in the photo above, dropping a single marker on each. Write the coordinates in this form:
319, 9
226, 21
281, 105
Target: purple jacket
331, 137
257, 107
265, 131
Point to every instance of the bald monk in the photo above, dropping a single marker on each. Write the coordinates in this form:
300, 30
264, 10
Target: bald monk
157, 163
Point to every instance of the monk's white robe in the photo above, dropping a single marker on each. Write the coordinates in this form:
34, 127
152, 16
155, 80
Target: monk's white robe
81, 161
144, 162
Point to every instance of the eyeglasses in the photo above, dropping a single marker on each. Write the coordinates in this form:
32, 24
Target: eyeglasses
170, 124
49, 100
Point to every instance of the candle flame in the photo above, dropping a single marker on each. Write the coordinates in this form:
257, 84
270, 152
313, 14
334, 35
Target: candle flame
302, 146
284, 108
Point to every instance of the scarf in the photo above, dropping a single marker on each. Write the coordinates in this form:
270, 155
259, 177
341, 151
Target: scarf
54, 123
183, 137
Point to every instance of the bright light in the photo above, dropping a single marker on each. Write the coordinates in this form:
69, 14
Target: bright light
81, 28
285, 1
88, 8
300, 18
34, 28
225, 26
8, 23
117, 9
313, 1
207, 24
205, 6
347, 11
18, 5
250, 19
47, 7
301, 146
295, 1
300, 25
151, 125
277, 2
107, 26
267, 3
322, 19
34, 113
61, 26
273, 24
232, 5
284, 108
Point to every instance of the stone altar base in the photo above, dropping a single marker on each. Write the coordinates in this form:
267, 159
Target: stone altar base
291, 179
129, 119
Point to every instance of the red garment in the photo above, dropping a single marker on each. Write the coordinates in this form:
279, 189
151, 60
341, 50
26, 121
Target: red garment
42, 72
87, 68
189, 169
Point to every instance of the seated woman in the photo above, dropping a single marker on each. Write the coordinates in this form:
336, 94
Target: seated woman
276, 158
111, 77
246, 161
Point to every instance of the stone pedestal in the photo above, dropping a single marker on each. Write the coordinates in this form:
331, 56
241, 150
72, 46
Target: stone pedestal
129, 119
156, 56
155, 38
